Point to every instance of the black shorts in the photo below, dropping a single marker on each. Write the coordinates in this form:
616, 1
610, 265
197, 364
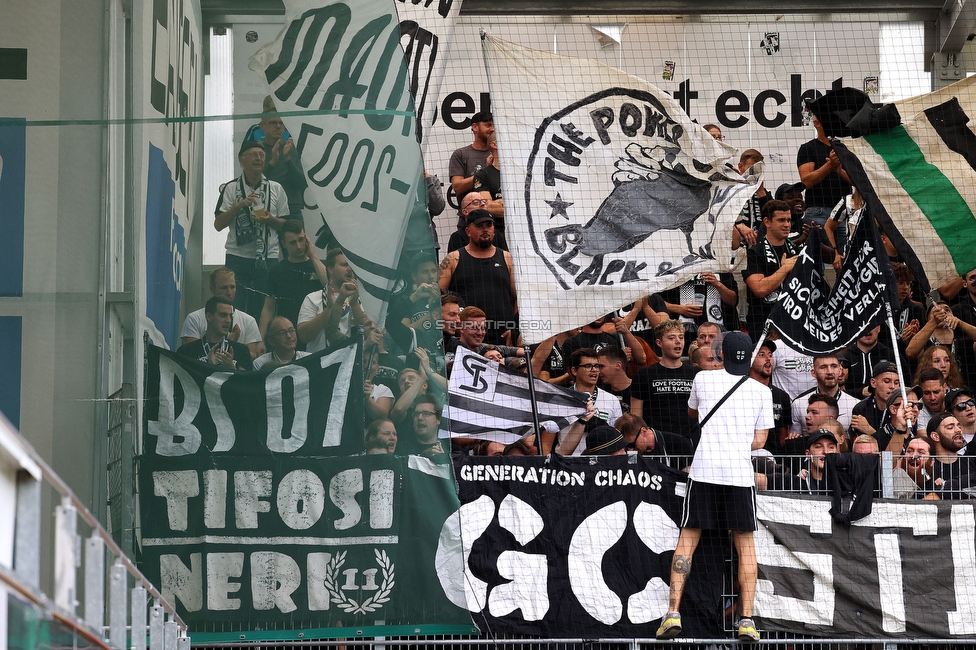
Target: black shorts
709, 506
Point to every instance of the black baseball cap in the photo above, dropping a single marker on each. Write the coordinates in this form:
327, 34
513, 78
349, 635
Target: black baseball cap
786, 187
482, 116
769, 344
820, 434
882, 367
954, 393
936, 421
737, 353
479, 216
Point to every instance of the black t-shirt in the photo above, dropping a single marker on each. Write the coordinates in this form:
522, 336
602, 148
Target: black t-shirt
555, 364
623, 396
488, 179
664, 392
289, 283
782, 410
830, 190
200, 350
966, 312
764, 259
596, 341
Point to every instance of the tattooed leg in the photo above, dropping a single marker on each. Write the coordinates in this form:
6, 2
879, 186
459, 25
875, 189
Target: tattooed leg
681, 565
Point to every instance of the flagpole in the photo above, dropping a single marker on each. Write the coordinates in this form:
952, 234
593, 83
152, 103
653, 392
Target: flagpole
535, 406
894, 346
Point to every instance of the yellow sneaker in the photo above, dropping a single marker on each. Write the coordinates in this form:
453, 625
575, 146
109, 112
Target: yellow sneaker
670, 626
747, 630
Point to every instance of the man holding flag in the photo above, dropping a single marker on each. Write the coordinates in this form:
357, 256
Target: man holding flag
769, 263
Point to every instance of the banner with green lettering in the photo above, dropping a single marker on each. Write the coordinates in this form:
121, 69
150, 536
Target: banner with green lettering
262, 519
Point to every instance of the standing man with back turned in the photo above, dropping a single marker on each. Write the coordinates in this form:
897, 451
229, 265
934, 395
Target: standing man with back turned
736, 411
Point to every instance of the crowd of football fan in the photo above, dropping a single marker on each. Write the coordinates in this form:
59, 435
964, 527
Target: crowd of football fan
274, 302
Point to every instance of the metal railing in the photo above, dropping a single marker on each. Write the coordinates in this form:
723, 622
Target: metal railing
120, 608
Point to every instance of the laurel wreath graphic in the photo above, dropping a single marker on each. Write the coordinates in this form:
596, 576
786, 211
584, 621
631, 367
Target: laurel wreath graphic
371, 604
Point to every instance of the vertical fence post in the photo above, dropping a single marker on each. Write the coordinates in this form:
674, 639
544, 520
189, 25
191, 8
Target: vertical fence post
95, 583
65, 555
117, 591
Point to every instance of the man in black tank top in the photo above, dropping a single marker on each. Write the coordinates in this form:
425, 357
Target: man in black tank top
481, 274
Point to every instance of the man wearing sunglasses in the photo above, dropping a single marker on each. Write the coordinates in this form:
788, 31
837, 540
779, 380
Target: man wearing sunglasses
961, 404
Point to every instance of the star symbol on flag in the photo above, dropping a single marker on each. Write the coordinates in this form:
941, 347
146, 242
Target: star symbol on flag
559, 207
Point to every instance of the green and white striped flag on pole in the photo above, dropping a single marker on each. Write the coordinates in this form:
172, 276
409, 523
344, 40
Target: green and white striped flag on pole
923, 172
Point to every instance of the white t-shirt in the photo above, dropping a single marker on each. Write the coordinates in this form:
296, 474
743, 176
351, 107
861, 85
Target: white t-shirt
276, 201
607, 408
724, 454
195, 326
267, 357
845, 404
312, 306
792, 371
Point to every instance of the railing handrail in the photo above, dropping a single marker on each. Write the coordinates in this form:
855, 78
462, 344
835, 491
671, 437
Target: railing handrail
62, 488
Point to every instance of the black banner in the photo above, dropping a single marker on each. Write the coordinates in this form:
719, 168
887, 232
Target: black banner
579, 547
306, 408
906, 570
814, 318
258, 514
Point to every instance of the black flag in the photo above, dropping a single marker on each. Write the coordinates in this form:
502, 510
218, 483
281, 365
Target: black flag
814, 318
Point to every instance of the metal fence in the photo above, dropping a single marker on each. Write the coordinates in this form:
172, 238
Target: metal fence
120, 608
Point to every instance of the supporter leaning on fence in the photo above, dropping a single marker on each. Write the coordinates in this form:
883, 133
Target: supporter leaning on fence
736, 413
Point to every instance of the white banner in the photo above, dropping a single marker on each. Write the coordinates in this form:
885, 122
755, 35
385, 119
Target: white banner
426, 33
360, 155
612, 192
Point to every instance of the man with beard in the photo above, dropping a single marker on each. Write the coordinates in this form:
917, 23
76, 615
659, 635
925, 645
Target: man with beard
660, 391
585, 371
481, 274
950, 471
215, 348
913, 476
762, 371
327, 316
827, 372
471, 335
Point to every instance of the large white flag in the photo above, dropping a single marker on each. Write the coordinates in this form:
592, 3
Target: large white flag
611, 191
361, 155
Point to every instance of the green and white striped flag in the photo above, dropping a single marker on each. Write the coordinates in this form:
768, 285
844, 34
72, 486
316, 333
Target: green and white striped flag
923, 172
